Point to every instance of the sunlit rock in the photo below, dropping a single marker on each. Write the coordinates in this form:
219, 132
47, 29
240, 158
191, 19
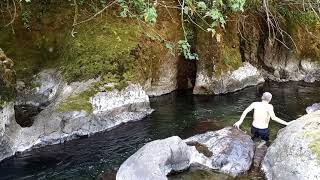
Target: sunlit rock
244, 76
232, 150
313, 108
295, 154
73, 110
9, 131
228, 150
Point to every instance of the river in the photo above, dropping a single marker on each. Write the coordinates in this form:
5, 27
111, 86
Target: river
179, 113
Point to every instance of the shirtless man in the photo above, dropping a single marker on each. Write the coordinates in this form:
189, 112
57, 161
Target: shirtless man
261, 117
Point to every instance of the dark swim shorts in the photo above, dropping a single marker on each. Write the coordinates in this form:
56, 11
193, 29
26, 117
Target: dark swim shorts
262, 133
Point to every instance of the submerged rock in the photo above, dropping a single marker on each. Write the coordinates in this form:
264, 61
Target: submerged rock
246, 75
295, 154
228, 150
260, 151
313, 108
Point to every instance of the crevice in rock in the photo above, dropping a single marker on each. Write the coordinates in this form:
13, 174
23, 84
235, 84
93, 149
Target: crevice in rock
25, 114
201, 148
186, 73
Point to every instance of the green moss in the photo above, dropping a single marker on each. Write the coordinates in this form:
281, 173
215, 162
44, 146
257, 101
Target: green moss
304, 28
315, 148
121, 85
102, 48
231, 58
39, 47
220, 53
315, 143
296, 16
35, 85
78, 102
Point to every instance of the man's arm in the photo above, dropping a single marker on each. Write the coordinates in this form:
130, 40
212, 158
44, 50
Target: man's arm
244, 114
275, 118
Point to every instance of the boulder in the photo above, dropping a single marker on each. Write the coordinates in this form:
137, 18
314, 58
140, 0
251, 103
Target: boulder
53, 125
231, 81
232, 150
156, 159
70, 114
228, 150
43, 89
9, 130
295, 154
313, 108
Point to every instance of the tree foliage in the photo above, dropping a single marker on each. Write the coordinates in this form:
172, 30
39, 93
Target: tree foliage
204, 14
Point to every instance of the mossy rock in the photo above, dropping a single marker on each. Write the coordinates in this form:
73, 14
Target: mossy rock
101, 48
7, 79
78, 102
315, 148
219, 53
307, 42
38, 47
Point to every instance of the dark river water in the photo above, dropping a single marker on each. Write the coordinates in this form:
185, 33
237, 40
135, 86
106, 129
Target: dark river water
179, 113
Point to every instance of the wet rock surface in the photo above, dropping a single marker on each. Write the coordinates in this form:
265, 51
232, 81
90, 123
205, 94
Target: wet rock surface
228, 150
260, 150
294, 155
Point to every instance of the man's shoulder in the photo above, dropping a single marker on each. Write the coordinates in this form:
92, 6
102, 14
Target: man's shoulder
256, 103
261, 103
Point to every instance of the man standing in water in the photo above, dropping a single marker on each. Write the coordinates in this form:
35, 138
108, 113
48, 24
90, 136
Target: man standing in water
263, 111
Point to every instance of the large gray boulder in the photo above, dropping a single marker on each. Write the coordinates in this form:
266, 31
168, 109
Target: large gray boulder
228, 150
54, 126
232, 150
313, 108
156, 159
60, 121
231, 81
295, 154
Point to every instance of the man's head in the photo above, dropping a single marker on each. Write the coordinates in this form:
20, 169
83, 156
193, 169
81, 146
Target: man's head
266, 96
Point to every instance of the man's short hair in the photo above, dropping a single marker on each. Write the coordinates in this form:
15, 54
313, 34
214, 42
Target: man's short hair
266, 96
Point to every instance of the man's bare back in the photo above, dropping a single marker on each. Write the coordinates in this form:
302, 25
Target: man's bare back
263, 111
